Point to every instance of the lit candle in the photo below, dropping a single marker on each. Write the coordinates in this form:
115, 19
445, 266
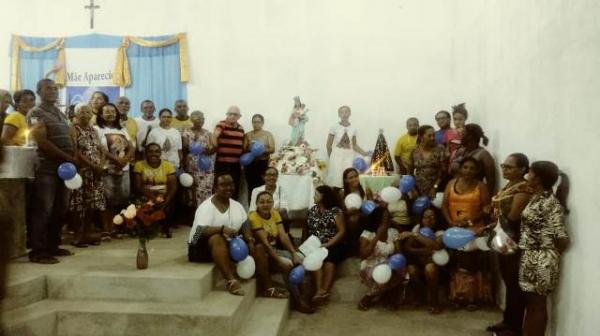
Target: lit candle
26, 137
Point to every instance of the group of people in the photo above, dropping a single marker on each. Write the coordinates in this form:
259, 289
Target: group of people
120, 158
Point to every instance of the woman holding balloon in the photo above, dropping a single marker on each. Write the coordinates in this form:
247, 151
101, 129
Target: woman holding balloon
197, 146
326, 222
273, 249
256, 169
217, 222
352, 213
377, 243
420, 247
464, 200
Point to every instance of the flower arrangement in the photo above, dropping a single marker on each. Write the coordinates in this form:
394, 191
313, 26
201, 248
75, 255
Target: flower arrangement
297, 160
143, 218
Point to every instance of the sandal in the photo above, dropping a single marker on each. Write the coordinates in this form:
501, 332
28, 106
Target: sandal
234, 287
275, 293
365, 303
79, 244
320, 298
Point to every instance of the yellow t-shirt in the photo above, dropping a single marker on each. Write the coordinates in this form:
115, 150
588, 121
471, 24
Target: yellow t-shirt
131, 126
154, 177
181, 125
405, 146
17, 119
269, 225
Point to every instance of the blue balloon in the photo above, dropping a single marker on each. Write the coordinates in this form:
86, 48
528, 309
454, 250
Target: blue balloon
368, 207
457, 237
360, 164
246, 159
397, 261
67, 171
427, 233
196, 148
296, 275
238, 249
420, 204
407, 183
204, 163
257, 148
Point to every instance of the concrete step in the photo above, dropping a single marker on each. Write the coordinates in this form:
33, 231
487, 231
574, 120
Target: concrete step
24, 292
347, 289
185, 285
267, 317
219, 313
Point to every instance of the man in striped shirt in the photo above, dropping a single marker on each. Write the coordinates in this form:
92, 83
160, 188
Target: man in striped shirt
228, 138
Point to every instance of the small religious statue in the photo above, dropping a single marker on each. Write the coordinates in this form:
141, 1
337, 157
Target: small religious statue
298, 120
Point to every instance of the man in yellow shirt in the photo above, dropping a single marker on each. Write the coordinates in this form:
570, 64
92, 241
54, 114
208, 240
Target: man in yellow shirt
182, 119
123, 105
406, 144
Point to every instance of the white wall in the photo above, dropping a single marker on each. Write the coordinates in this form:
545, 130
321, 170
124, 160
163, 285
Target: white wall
526, 68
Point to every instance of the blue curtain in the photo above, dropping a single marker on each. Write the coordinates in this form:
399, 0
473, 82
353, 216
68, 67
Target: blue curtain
154, 71
34, 65
154, 75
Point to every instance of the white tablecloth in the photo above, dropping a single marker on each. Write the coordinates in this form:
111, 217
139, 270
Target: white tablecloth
299, 190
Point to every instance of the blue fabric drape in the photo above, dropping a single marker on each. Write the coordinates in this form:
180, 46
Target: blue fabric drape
154, 75
154, 71
34, 65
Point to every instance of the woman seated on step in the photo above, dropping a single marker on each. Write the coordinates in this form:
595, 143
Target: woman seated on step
217, 220
353, 217
280, 202
419, 250
326, 222
274, 251
465, 199
155, 181
376, 245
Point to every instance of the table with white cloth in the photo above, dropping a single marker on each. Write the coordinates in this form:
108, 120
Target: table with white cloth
299, 190
376, 183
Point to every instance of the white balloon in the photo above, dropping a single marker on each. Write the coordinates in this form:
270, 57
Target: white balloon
186, 180
438, 200
440, 257
75, 182
353, 201
118, 220
382, 273
390, 194
313, 262
481, 243
245, 268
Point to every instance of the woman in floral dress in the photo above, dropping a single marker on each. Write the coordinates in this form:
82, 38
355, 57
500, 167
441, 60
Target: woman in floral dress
543, 239
203, 180
88, 199
428, 162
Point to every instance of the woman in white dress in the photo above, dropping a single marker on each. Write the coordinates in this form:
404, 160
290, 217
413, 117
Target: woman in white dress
341, 145
168, 138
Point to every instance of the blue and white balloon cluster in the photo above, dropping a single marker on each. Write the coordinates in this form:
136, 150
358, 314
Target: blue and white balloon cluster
68, 173
238, 251
383, 273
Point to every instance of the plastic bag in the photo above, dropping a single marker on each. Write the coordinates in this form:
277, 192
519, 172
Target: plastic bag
502, 243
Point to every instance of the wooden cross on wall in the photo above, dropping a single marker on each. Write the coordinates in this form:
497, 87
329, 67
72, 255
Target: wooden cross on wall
92, 7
